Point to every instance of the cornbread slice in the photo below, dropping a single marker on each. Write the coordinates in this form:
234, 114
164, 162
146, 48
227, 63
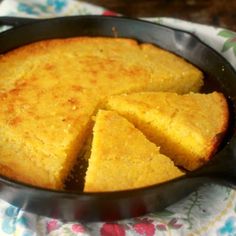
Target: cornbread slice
187, 127
43, 125
108, 65
122, 158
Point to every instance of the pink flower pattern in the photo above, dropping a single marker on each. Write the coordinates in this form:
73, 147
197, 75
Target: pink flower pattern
112, 229
52, 225
145, 228
78, 228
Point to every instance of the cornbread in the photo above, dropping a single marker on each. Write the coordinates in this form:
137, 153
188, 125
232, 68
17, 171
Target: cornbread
50, 89
122, 158
187, 127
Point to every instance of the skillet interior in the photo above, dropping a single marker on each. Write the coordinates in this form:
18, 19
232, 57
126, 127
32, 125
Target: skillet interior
73, 205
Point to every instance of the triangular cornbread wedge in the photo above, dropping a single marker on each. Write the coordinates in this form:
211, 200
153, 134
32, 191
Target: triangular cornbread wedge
122, 158
187, 127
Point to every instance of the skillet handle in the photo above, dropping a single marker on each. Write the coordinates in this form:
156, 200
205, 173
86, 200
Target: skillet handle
16, 21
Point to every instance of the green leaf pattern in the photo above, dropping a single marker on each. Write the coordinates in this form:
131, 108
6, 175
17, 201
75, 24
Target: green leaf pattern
230, 40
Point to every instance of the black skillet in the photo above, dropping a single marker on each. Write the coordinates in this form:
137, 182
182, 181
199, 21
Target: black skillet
75, 205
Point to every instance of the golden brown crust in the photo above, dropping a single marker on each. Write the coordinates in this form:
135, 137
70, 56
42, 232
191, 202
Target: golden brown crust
215, 142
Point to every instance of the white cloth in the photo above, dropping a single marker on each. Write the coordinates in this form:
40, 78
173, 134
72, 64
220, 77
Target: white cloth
209, 211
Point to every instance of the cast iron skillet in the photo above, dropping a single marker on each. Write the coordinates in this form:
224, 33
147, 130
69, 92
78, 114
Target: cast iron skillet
74, 205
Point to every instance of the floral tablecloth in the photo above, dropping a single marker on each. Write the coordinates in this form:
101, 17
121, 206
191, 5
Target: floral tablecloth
209, 211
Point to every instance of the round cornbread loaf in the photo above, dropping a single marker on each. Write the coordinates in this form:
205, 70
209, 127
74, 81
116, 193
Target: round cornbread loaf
49, 91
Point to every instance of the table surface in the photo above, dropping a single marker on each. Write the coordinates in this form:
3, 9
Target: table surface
214, 12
